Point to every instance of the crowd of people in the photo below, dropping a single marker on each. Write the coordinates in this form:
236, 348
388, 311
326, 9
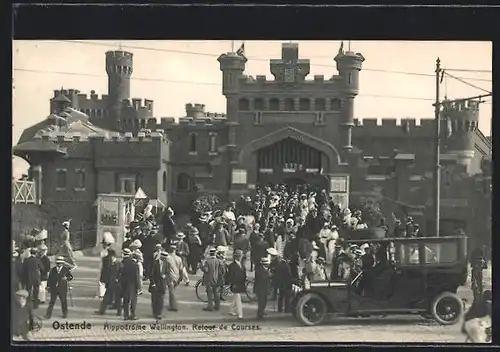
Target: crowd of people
285, 234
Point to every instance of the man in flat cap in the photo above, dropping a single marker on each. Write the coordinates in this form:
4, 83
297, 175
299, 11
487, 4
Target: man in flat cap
22, 315
213, 279
131, 283
158, 284
58, 285
32, 271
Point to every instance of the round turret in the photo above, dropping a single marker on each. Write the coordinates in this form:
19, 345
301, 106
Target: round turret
463, 119
119, 67
232, 66
195, 110
349, 64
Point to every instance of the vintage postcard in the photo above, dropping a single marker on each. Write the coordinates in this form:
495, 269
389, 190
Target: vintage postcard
319, 191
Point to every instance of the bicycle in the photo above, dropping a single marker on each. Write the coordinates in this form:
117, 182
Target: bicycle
201, 292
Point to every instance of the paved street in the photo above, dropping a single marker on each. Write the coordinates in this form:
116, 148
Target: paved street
194, 324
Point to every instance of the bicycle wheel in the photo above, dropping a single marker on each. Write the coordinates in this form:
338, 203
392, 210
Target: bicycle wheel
249, 290
201, 291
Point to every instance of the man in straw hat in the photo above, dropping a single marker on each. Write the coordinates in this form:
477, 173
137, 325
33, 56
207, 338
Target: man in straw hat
22, 315
131, 283
175, 274
182, 249
262, 285
213, 279
32, 271
58, 285
158, 284
44, 259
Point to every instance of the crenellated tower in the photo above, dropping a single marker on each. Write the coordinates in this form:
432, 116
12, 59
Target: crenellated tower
349, 64
232, 66
462, 117
119, 67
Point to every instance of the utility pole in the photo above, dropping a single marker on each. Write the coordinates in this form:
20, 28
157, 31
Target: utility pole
437, 151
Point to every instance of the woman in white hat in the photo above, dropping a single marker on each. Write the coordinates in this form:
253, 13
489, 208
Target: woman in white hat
66, 250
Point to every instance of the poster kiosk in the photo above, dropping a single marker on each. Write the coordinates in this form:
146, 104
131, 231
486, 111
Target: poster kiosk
114, 212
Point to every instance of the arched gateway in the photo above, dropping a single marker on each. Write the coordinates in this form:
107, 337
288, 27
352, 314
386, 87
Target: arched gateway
290, 156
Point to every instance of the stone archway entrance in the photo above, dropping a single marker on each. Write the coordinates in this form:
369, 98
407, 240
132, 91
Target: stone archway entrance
289, 161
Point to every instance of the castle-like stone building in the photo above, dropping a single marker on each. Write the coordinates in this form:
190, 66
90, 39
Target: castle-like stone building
291, 128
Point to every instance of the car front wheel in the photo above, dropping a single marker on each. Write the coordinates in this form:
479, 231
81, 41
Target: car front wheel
447, 308
311, 309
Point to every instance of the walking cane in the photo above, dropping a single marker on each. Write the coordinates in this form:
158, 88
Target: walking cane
70, 296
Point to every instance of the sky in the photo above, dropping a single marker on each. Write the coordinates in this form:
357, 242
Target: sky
397, 80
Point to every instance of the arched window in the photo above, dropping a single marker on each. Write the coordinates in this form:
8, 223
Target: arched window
320, 104
192, 143
213, 142
289, 104
304, 104
164, 181
258, 104
244, 104
183, 183
335, 104
274, 104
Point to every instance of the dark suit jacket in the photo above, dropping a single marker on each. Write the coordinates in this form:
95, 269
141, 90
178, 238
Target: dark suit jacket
236, 277
158, 280
262, 280
129, 278
109, 273
46, 267
59, 281
32, 271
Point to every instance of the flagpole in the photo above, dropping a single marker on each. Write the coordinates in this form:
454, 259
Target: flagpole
349, 45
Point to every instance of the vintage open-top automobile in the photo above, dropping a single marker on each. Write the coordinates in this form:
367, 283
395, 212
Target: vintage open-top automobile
418, 276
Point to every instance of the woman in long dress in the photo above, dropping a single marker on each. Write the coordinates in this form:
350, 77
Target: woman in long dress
107, 241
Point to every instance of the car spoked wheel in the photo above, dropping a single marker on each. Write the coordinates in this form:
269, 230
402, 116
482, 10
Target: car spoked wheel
311, 309
201, 291
447, 308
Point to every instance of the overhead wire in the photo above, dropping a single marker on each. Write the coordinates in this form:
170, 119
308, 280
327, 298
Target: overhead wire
257, 59
465, 82
199, 83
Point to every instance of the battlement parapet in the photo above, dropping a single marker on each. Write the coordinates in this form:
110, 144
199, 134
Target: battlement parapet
138, 104
92, 96
119, 57
195, 110
392, 126
317, 83
209, 120
66, 92
462, 110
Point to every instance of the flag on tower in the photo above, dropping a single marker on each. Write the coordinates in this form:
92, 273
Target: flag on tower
241, 50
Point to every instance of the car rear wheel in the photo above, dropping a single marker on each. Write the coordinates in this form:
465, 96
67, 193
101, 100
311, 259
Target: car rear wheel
447, 308
311, 309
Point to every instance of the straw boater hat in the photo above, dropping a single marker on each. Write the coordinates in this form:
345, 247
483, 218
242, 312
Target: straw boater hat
42, 235
136, 244
272, 251
22, 293
126, 252
180, 235
158, 246
222, 249
212, 251
60, 260
265, 260
164, 254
